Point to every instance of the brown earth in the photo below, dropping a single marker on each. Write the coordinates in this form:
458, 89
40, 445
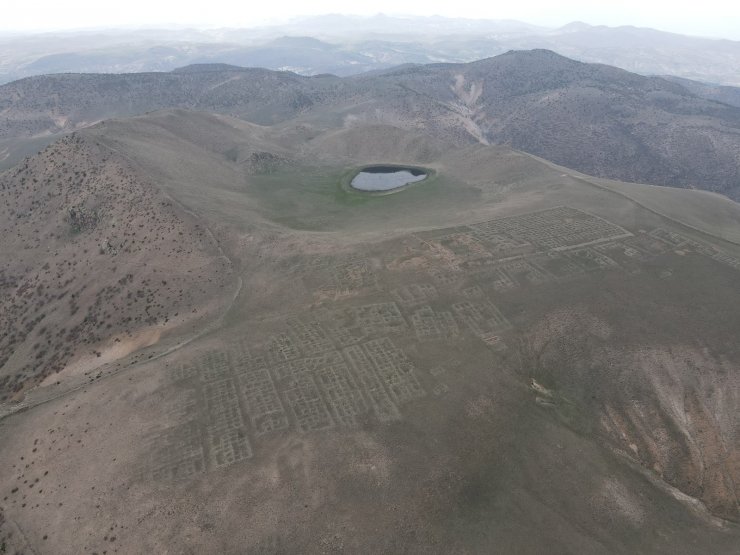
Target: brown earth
93, 255
508, 357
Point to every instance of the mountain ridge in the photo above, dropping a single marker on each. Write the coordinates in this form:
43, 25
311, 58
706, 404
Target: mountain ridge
598, 119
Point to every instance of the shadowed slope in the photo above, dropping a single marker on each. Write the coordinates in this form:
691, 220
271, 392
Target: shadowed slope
597, 119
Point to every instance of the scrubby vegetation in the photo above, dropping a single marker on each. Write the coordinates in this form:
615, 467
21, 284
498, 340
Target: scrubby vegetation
90, 252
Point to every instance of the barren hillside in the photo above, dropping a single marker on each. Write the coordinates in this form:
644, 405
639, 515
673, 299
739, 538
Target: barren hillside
96, 263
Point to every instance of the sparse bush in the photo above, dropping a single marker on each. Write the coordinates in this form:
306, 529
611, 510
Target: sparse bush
81, 219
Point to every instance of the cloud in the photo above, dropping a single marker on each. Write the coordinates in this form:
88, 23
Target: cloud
710, 17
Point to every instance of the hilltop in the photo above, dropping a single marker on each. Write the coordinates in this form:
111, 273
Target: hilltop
96, 263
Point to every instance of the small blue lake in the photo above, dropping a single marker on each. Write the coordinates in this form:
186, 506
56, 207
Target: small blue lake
386, 178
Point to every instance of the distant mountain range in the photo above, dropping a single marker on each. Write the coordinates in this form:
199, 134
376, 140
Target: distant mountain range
593, 118
348, 45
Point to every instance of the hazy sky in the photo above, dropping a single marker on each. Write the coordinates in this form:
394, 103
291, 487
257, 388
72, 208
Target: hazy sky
707, 17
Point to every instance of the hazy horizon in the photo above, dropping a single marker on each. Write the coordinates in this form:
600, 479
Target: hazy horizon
87, 16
